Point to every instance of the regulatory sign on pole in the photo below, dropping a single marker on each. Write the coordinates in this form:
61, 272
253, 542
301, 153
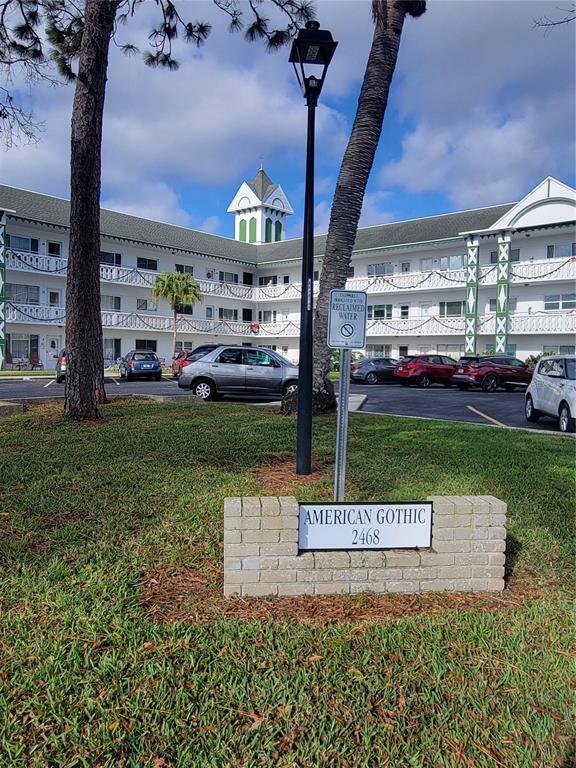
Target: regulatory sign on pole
347, 319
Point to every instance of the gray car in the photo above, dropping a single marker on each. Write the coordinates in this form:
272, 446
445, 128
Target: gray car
236, 370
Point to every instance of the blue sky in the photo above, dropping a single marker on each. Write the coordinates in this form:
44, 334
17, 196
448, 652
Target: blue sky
482, 108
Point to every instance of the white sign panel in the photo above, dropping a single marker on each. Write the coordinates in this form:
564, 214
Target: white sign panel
347, 320
385, 525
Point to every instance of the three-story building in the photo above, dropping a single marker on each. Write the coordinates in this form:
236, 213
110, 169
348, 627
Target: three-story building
499, 278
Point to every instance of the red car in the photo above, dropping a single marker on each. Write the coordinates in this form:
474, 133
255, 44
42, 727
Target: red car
424, 370
491, 372
188, 356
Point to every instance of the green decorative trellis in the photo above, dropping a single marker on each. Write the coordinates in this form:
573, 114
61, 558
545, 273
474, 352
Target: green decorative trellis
502, 291
471, 309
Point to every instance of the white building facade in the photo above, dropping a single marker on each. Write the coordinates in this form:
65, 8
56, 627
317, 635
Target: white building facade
501, 278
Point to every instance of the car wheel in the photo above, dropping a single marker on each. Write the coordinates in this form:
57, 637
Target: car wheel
565, 420
463, 387
59, 379
289, 388
530, 412
174, 374
424, 380
158, 377
490, 383
204, 389
371, 378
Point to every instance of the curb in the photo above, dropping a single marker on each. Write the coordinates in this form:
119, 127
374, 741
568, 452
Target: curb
9, 409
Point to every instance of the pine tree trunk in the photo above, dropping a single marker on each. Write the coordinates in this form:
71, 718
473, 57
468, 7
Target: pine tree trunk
352, 181
85, 354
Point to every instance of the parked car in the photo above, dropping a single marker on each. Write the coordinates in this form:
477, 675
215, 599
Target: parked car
491, 372
425, 370
188, 356
552, 391
137, 363
236, 370
61, 367
373, 370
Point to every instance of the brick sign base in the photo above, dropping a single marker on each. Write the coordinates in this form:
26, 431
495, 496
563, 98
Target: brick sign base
261, 552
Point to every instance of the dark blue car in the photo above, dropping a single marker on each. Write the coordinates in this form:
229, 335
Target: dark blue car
145, 364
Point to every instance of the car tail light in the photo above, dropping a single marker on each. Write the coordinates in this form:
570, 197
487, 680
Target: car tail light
61, 360
131, 363
355, 366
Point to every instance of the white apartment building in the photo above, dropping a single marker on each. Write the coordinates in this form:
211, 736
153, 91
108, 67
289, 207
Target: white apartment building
497, 278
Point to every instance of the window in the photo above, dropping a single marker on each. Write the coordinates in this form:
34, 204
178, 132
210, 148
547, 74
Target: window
385, 268
22, 346
562, 349
268, 231
510, 349
514, 255
113, 259
252, 230
230, 357
316, 275
286, 279
512, 304
404, 311
146, 345
23, 294
427, 265
54, 298
209, 313
110, 303
227, 277
267, 315
242, 230
112, 351
54, 249
184, 309
277, 231
350, 272
560, 301
561, 250
405, 267
256, 357
18, 243
188, 268
145, 305
378, 350
268, 280
143, 263
379, 311
451, 308
227, 314
448, 360
453, 262
402, 351
451, 349
180, 345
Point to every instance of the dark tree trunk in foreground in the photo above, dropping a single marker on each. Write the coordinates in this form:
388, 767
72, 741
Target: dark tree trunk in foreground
354, 172
85, 356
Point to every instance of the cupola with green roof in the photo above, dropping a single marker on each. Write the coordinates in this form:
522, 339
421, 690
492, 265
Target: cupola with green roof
260, 207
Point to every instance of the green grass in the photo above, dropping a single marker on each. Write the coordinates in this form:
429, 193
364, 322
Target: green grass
88, 679
9, 374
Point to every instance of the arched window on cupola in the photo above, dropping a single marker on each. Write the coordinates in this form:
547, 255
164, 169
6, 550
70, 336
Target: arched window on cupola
242, 230
268, 231
278, 231
252, 233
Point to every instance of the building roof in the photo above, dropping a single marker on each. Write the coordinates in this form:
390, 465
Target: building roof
262, 185
55, 211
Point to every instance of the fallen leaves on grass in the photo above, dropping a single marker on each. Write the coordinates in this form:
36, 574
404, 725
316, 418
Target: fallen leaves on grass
185, 594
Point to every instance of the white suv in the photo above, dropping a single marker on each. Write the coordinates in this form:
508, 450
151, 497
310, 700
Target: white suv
552, 391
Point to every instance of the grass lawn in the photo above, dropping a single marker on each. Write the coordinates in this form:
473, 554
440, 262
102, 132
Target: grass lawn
37, 372
94, 516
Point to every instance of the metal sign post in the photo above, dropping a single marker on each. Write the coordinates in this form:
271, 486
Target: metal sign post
346, 331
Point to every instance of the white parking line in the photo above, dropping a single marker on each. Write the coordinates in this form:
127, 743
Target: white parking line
485, 416
115, 381
45, 386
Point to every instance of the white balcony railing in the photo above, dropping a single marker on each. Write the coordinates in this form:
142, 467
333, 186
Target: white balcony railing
430, 325
520, 272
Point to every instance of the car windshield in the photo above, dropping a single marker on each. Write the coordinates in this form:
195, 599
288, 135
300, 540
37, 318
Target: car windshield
570, 369
144, 356
284, 360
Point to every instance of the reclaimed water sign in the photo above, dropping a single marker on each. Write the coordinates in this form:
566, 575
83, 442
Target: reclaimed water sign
384, 525
347, 319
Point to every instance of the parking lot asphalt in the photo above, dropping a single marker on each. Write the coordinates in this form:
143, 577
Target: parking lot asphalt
438, 402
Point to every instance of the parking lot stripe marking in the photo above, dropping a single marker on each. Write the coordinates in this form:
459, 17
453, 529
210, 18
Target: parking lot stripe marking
485, 416
49, 383
115, 382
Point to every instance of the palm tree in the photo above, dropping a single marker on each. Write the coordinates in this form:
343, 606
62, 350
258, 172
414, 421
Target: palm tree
176, 288
388, 16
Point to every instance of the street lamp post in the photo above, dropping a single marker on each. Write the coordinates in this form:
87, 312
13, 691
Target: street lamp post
311, 54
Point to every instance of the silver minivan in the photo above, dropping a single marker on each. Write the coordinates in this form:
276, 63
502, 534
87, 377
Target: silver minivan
235, 370
552, 391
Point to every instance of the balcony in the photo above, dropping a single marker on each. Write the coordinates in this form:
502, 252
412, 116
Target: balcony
429, 325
